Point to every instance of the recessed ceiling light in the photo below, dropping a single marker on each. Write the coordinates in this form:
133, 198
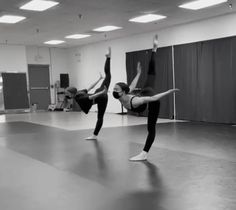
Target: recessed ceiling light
39, 5
200, 4
147, 18
54, 42
107, 28
78, 36
11, 19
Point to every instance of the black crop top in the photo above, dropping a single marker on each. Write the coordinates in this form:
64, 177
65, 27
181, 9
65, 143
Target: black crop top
82, 98
138, 109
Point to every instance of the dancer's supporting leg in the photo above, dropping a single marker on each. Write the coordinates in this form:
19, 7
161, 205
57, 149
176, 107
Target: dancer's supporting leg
102, 105
102, 100
153, 112
153, 107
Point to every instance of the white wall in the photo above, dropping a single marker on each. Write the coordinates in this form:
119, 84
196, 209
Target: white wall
12, 58
85, 62
16, 58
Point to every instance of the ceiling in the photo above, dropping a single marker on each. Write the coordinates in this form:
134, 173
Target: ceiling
81, 16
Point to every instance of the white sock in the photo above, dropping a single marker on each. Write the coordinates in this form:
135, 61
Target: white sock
93, 137
140, 157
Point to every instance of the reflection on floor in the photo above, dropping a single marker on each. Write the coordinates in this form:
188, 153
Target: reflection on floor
191, 165
76, 120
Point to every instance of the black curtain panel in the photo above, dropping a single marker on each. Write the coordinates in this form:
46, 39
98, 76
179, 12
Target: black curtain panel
165, 80
15, 91
186, 76
205, 73
232, 96
164, 76
132, 59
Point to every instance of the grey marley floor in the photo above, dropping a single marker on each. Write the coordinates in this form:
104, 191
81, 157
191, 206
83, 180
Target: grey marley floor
47, 165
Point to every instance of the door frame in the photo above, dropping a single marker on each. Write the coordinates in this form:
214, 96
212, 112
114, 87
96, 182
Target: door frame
49, 77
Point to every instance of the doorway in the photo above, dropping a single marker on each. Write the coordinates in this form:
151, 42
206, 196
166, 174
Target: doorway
39, 86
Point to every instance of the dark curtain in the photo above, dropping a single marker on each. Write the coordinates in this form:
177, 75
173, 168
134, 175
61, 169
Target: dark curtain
163, 74
206, 74
185, 60
15, 91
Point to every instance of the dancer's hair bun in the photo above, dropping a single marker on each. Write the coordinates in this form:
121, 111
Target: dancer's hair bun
124, 87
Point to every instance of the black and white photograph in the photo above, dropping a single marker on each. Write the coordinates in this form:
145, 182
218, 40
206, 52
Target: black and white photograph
117, 104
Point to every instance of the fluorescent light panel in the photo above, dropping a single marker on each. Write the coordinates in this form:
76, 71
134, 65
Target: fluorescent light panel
200, 4
11, 19
39, 5
54, 42
106, 28
78, 36
147, 18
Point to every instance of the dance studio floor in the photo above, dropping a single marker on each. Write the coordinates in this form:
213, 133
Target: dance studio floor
46, 164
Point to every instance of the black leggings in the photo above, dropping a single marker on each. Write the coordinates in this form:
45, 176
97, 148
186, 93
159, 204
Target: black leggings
102, 100
153, 113
153, 107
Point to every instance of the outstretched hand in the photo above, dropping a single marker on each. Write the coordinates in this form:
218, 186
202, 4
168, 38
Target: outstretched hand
174, 90
101, 76
139, 68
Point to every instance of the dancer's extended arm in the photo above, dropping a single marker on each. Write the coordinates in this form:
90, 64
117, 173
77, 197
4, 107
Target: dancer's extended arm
135, 80
94, 96
137, 101
95, 83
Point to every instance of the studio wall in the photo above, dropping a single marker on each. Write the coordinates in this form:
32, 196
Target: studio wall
85, 62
